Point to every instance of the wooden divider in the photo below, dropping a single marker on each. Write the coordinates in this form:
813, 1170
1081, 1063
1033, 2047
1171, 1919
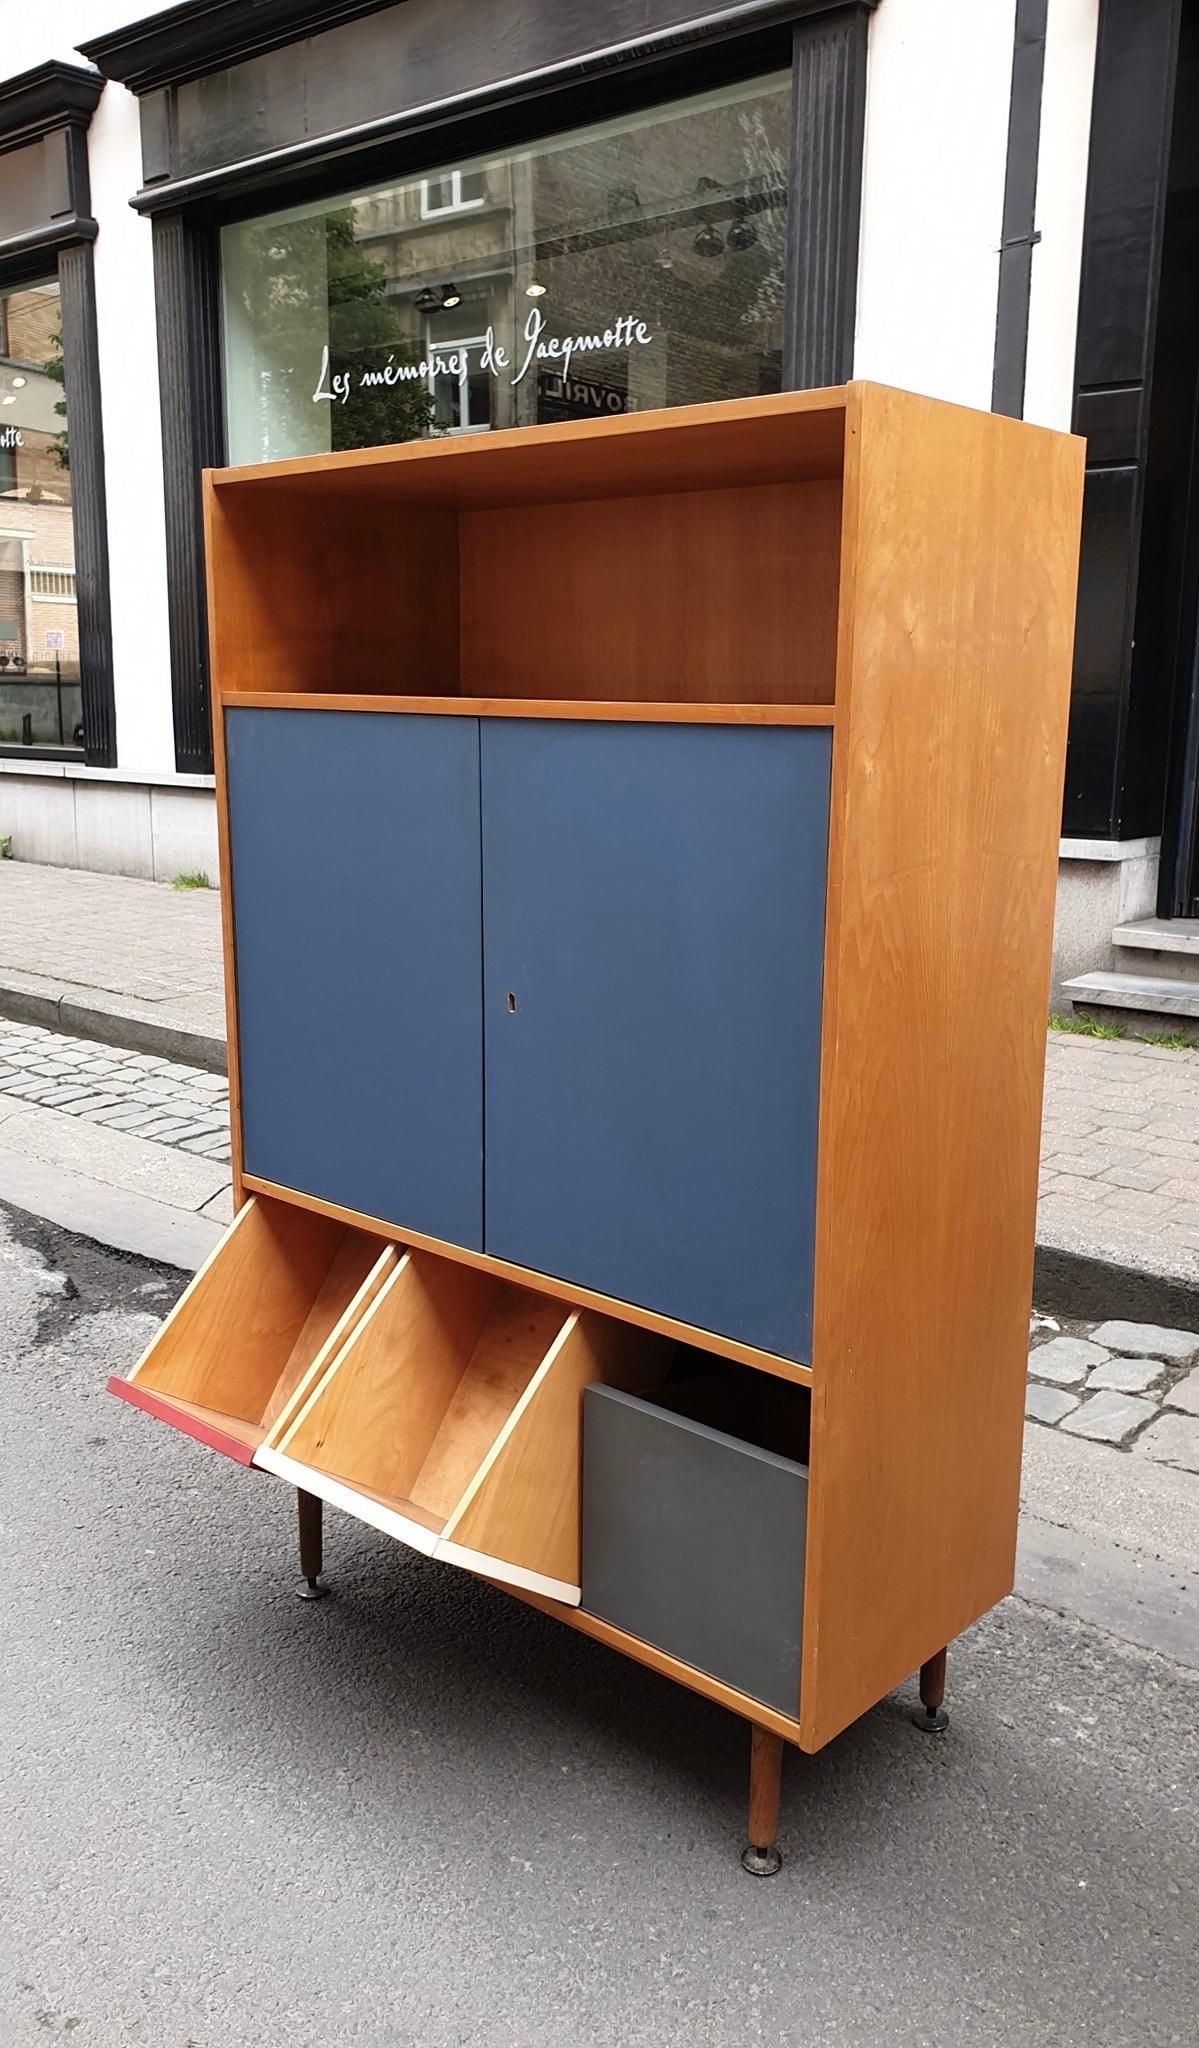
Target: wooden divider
257, 1325
451, 1417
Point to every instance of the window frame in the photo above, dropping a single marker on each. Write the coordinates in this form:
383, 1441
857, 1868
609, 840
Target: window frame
51, 106
12, 750
457, 203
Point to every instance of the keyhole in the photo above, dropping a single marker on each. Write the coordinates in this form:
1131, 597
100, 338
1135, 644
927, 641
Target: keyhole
512, 1002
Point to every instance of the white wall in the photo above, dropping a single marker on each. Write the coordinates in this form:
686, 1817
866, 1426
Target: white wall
1061, 195
937, 97
937, 103
31, 34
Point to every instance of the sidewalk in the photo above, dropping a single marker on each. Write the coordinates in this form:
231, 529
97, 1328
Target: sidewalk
138, 965
130, 963
1120, 1175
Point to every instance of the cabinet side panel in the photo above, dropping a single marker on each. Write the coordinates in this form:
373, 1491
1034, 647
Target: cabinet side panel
956, 633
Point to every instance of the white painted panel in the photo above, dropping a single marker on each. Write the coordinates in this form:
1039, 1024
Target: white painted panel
937, 100
1061, 197
507, 1574
112, 828
38, 815
183, 823
348, 1499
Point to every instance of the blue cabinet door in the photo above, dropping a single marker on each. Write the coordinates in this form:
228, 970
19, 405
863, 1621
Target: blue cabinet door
356, 904
653, 908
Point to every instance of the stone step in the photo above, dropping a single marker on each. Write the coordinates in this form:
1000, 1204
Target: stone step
1150, 993
1161, 935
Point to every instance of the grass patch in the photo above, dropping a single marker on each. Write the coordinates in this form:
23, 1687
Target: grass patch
1086, 1027
6, 848
1174, 1041
196, 880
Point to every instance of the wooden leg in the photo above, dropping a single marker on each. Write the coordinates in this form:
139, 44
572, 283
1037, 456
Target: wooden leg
934, 1720
310, 1507
761, 1857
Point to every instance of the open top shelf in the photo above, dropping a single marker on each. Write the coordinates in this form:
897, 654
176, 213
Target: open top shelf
680, 559
773, 439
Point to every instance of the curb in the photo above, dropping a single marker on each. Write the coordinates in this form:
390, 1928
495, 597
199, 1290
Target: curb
115, 1218
1070, 1283
116, 1025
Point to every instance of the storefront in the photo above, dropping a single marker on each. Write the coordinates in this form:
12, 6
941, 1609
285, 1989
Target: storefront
376, 222
332, 223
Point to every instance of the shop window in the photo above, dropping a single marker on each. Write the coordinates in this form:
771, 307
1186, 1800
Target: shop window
40, 693
634, 264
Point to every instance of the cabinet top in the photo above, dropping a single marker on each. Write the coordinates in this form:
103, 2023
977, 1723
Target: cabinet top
786, 436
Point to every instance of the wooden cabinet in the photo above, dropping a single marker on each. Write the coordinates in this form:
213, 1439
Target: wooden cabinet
654, 969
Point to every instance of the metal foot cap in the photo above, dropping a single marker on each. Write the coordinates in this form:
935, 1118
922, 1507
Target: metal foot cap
312, 1589
932, 1724
760, 1862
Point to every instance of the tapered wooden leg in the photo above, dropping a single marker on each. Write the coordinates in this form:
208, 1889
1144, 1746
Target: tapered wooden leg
310, 1507
761, 1856
934, 1720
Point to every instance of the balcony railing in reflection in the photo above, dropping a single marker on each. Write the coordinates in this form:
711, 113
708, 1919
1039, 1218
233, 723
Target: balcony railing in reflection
39, 707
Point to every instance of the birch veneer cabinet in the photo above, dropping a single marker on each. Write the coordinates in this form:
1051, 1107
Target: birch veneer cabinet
639, 843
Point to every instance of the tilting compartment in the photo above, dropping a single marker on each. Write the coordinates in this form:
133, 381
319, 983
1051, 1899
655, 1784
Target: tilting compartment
260, 1321
694, 1522
451, 1419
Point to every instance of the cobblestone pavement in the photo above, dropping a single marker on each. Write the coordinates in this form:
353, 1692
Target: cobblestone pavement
148, 1128
123, 1091
1132, 1385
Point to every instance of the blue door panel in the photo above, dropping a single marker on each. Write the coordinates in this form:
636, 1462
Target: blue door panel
356, 902
654, 901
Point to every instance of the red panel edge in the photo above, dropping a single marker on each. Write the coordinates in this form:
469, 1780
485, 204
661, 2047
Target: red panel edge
190, 1425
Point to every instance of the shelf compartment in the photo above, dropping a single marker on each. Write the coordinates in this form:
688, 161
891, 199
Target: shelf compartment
450, 1419
709, 547
258, 1323
694, 1519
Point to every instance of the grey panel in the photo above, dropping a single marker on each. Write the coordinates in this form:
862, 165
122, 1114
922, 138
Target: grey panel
654, 911
694, 1542
356, 898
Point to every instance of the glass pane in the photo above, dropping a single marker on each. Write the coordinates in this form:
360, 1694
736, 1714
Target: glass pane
40, 698
633, 264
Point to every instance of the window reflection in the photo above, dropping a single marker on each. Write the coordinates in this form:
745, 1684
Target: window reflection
40, 698
631, 265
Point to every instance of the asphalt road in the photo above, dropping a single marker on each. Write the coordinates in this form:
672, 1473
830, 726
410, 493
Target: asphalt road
422, 1814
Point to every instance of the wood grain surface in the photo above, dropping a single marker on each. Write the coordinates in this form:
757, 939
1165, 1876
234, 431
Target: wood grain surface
957, 611
710, 596
523, 1505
